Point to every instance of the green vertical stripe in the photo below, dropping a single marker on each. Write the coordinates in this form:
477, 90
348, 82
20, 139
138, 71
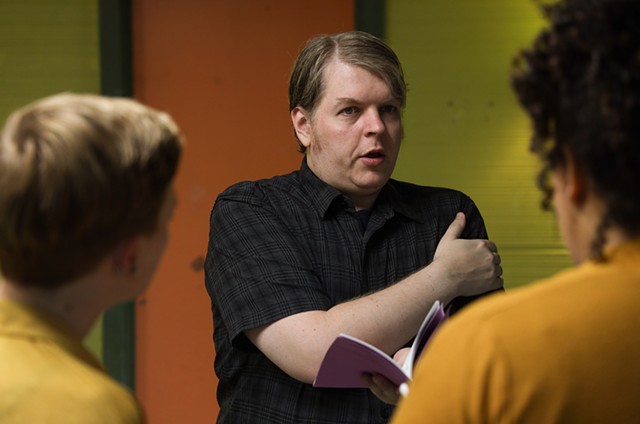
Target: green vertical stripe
116, 80
370, 16
115, 48
118, 333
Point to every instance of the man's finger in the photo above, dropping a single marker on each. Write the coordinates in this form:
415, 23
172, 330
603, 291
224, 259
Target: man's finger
455, 228
491, 246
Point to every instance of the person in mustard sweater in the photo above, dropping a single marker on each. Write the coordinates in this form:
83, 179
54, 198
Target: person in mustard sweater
85, 200
566, 349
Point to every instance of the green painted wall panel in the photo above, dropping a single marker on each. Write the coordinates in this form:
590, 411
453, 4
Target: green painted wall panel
47, 47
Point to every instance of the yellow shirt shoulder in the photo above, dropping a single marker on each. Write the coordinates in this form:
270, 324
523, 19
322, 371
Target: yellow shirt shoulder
47, 376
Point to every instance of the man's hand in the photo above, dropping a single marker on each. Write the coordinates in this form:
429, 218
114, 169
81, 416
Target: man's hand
470, 267
385, 390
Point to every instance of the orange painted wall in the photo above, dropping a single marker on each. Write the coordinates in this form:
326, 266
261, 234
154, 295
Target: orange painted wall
220, 68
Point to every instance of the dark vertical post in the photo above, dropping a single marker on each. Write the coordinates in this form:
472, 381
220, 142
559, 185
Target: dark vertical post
118, 329
370, 16
115, 47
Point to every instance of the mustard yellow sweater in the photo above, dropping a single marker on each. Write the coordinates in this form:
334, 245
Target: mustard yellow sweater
563, 350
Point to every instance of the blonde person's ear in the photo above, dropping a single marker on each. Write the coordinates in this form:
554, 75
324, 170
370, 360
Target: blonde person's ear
125, 257
301, 124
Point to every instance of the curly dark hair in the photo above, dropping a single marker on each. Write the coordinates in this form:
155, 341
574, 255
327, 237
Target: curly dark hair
580, 85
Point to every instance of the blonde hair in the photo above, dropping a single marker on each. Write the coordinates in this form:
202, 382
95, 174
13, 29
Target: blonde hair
78, 174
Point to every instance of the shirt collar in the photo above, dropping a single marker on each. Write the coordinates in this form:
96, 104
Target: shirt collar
324, 196
20, 320
391, 197
626, 251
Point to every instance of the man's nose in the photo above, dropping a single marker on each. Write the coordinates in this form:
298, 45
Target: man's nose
373, 121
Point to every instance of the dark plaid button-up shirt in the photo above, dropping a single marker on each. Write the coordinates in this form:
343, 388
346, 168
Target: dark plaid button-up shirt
293, 244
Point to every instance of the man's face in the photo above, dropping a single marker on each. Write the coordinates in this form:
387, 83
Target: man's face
354, 134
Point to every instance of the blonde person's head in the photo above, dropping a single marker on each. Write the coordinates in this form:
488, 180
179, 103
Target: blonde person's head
78, 174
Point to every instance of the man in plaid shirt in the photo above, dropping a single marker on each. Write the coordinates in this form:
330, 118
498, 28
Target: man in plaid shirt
335, 247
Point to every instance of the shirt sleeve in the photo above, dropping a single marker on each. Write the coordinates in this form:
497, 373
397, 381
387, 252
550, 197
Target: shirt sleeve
257, 272
475, 227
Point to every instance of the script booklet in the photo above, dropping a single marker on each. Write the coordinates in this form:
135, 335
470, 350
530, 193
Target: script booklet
348, 358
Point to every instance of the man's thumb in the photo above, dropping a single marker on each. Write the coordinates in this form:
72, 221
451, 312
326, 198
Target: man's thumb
455, 228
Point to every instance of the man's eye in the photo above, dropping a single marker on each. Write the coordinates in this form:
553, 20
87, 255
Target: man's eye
388, 109
349, 111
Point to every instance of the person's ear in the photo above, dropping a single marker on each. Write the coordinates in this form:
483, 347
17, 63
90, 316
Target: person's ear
575, 178
125, 256
302, 125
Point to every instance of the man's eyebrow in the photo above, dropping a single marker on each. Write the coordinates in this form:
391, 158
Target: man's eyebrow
346, 100
356, 101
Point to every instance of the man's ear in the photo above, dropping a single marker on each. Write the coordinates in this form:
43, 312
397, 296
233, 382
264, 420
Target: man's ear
302, 125
576, 180
125, 256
